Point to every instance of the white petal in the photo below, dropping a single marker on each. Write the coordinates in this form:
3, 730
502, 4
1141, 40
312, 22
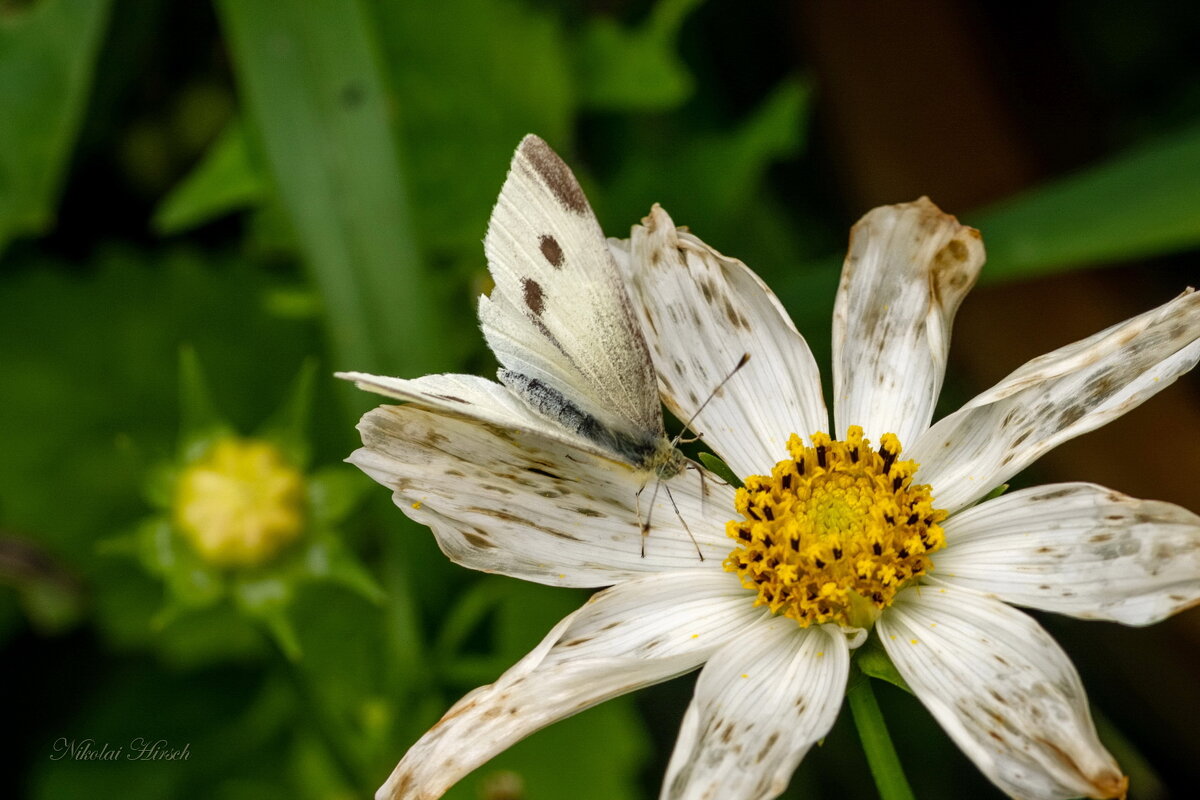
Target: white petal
530, 506
701, 312
633, 635
468, 396
1054, 398
761, 702
908, 269
1003, 690
1077, 549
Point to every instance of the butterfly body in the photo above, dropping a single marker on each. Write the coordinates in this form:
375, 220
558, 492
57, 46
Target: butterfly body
650, 452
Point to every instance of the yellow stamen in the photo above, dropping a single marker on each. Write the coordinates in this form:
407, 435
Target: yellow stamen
240, 504
834, 531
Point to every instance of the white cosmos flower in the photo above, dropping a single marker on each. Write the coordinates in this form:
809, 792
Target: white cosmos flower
837, 536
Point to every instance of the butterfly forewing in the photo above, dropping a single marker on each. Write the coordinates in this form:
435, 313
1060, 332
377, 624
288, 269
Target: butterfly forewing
559, 319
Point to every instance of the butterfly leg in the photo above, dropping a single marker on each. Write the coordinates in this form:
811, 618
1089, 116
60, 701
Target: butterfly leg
644, 527
649, 514
691, 536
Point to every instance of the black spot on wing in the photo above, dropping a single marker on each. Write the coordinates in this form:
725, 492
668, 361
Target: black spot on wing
535, 299
555, 174
551, 249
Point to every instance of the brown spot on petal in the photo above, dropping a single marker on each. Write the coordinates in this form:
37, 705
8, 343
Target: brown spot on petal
478, 542
954, 250
401, 789
1106, 783
766, 748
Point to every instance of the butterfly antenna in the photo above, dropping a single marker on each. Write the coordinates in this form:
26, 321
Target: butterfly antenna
741, 363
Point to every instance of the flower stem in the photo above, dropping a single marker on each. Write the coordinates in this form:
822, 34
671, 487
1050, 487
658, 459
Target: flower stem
872, 731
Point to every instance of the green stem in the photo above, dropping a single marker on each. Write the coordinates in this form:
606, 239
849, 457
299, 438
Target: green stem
328, 730
872, 731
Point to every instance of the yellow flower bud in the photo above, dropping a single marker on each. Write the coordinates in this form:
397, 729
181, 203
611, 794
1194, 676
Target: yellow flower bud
240, 504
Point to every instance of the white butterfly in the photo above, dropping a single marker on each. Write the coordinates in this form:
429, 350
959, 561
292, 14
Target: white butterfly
562, 327
560, 321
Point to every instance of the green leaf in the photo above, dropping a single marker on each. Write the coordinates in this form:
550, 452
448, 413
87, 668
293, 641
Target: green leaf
721, 469
994, 493
473, 77
288, 427
47, 53
200, 422
1141, 203
717, 180
1138, 204
334, 492
637, 69
873, 660
313, 88
328, 559
267, 599
225, 181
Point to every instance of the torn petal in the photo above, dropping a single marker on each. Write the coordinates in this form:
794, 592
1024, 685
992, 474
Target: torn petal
633, 635
908, 269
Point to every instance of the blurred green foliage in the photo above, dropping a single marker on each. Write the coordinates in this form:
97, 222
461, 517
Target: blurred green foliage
47, 56
273, 182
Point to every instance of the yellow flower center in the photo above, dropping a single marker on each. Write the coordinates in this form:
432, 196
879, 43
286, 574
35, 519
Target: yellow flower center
835, 531
240, 504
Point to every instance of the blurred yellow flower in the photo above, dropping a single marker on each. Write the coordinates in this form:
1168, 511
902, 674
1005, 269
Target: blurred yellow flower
241, 503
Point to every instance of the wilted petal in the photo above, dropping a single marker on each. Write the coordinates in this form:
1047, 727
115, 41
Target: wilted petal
530, 506
701, 313
1003, 690
632, 635
1054, 398
761, 702
908, 269
1078, 549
